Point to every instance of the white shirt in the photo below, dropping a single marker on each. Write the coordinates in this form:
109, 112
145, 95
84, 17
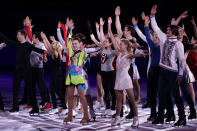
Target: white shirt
171, 49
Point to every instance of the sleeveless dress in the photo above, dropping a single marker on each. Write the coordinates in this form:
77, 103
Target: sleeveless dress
123, 80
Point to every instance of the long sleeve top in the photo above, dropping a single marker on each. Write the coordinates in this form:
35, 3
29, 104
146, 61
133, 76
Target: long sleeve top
23, 51
171, 49
155, 49
62, 42
143, 37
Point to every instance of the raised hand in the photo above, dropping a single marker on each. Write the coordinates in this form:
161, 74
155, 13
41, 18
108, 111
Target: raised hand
147, 21
101, 21
134, 21
184, 15
109, 20
143, 16
154, 10
173, 21
117, 11
43, 35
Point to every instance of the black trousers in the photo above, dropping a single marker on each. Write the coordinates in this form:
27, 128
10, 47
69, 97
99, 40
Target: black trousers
108, 81
153, 77
38, 78
63, 72
168, 86
25, 97
56, 87
19, 75
1, 102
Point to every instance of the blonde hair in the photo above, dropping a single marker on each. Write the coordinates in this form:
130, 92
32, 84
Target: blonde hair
129, 45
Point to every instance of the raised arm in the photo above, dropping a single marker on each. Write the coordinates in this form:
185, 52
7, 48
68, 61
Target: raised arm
156, 29
101, 29
7, 41
93, 38
147, 32
28, 27
70, 50
139, 32
114, 41
182, 16
47, 44
117, 23
70, 25
97, 31
59, 34
92, 35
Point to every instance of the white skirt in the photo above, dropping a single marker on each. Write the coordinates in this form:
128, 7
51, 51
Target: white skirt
136, 75
123, 81
189, 75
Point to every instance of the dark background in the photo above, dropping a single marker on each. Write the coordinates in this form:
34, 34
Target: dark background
46, 14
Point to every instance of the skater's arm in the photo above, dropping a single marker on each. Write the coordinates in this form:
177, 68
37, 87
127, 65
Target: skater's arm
117, 22
101, 30
7, 41
139, 32
182, 16
47, 44
97, 31
114, 41
162, 36
59, 34
147, 32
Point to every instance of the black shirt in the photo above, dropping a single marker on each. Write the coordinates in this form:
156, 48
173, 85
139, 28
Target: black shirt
23, 51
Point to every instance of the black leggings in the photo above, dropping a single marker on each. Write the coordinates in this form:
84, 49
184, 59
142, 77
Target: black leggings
153, 78
38, 78
56, 87
108, 81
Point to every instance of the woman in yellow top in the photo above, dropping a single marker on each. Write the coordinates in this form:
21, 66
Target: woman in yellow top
75, 78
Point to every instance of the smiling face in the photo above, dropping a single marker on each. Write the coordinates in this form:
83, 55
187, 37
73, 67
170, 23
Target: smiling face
107, 43
76, 45
123, 46
126, 32
181, 32
21, 36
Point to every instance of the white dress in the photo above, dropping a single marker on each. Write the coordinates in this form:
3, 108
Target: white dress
123, 80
